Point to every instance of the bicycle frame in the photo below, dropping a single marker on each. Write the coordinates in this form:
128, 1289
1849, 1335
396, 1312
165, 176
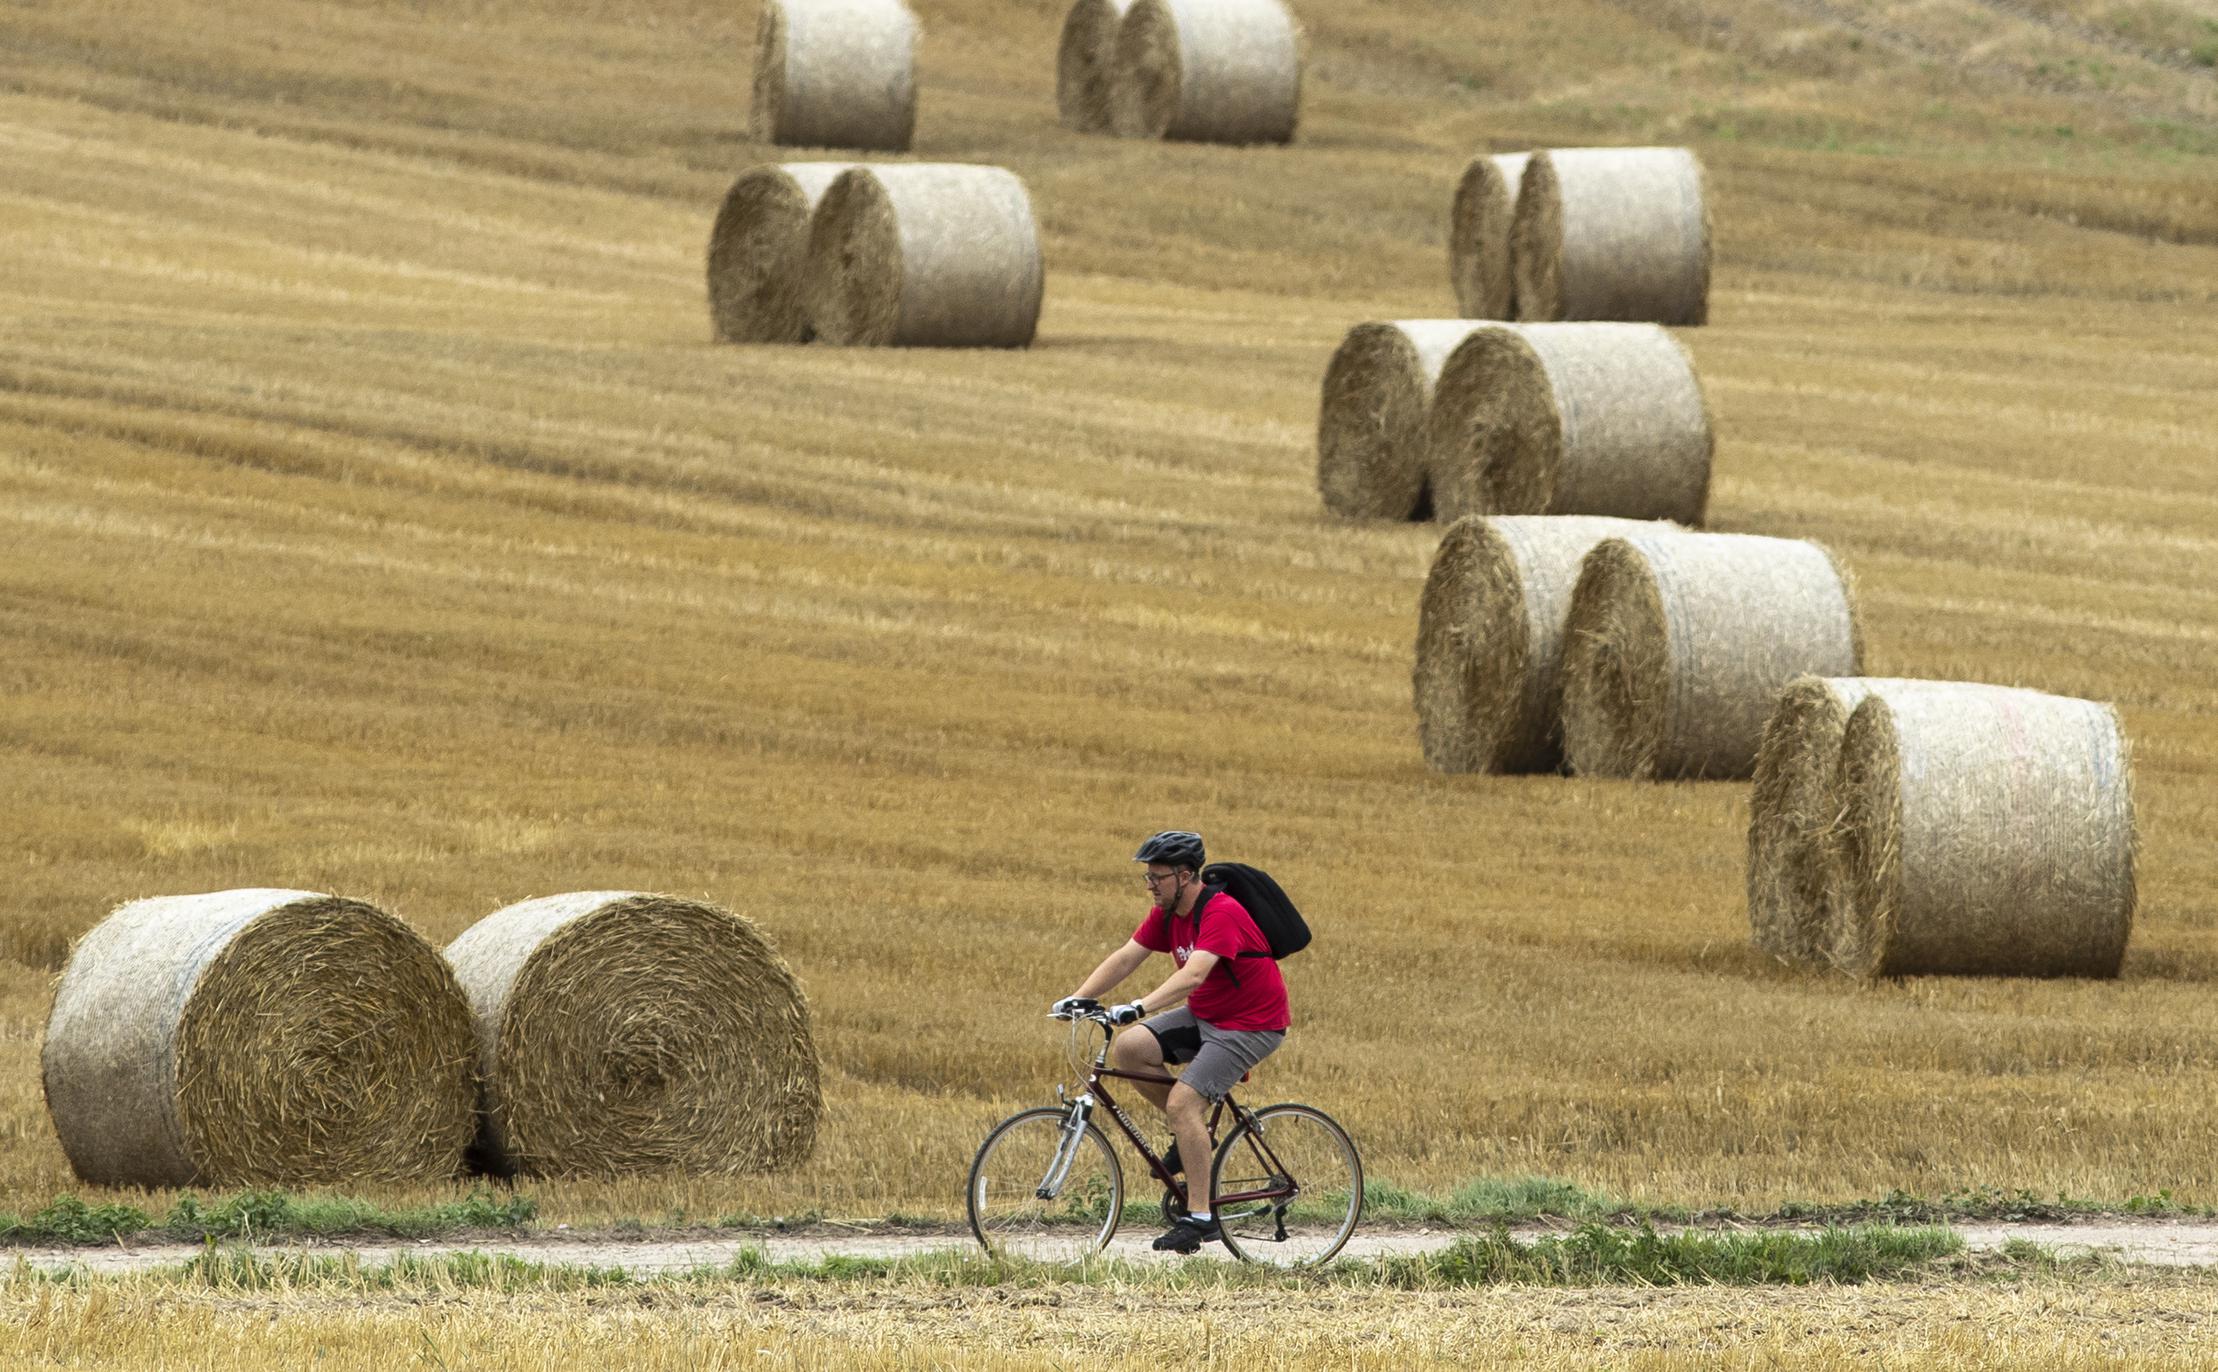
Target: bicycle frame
1096, 1091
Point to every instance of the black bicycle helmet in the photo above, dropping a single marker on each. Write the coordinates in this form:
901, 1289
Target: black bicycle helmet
1174, 848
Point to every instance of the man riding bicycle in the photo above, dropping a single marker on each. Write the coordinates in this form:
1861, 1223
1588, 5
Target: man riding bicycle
1219, 1013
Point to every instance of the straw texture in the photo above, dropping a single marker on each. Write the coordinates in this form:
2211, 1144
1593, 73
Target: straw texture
622, 1032
926, 254
1085, 65
1612, 233
258, 1036
1986, 832
1478, 236
1797, 894
1490, 640
1209, 71
1587, 419
759, 252
835, 74
1679, 643
1371, 419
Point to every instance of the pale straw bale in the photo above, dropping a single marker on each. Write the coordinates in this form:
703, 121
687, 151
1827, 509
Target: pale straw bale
926, 254
623, 1032
263, 1037
1678, 644
1209, 71
1490, 639
835, 74
1478, 236
1986, 832
1612, 233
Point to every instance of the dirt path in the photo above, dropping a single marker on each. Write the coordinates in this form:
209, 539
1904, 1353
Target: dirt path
2155, 1243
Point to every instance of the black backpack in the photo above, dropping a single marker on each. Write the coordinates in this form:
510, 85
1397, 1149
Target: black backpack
1282, 925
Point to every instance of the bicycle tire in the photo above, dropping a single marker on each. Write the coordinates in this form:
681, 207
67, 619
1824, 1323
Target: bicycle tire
1006, 1216
1328, 1173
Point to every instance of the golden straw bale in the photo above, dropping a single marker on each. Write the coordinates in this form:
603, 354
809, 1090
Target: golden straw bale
835, 74
1586, 419
622, 1032
1678, 643
926, 255
1209, 71
259, 1037
1478, 236
1085, 65
1490, 639
759, 252
1795, 888
1612, 233
1986, 832
1371, 420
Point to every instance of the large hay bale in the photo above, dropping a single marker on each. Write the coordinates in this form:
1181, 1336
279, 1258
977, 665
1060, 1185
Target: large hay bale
1478, 236
926, 255
1986, 832
1085, 65
835, 74
1490, 639
759, 252
623, 1032
1209, 71
1612, 233
1796, 894
1585, 419
1371, 418
258, 1037
1678, 643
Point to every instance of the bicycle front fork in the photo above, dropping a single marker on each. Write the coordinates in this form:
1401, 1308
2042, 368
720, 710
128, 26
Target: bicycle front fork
1066, 1152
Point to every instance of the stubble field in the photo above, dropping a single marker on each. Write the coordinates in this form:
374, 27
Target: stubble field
375, 517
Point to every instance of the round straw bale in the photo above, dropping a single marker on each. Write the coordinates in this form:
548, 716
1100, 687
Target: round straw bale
759, 250
1490, 639
1209, 71
1612, 233
835, 74
926, 254
1085, 65
258, 1036
1795, 888
1986, 832
1588, 419
1678, 643
622, 1032
1478, 236
1371, 421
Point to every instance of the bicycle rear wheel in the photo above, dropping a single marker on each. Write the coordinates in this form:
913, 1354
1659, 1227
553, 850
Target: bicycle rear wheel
1287, 1187
1027, 1154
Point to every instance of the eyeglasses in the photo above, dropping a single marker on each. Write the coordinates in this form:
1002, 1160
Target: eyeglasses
1150, 879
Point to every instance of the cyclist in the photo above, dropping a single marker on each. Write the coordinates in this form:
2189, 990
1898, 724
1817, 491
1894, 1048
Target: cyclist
1219, 1013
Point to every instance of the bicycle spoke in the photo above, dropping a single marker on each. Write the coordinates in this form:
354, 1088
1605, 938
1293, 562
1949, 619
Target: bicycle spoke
1033, 1153
1288, 1191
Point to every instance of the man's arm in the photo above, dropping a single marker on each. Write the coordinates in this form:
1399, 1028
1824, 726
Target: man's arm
1114, 969
1179, 984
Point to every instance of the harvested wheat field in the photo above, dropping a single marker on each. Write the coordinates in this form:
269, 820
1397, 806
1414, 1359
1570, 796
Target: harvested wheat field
377, 517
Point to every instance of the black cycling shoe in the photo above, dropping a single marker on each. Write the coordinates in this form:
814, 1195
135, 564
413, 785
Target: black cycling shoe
1171, 1164
1188, 1235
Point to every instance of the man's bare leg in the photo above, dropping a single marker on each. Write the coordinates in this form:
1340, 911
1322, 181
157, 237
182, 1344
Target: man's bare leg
1138, 1050
1190, 1125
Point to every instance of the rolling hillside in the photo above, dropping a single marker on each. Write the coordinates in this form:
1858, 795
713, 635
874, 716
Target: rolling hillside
375, 516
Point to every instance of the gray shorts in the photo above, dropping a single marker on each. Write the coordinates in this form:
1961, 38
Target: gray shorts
1215, 1058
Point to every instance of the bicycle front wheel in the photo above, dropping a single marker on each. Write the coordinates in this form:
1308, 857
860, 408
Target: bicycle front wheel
1038, 1192
1287, 1187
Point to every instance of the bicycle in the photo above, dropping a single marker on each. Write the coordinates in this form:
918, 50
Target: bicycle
1286, 1184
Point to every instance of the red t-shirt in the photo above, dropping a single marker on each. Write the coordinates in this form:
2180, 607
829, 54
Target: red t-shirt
1239, 993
